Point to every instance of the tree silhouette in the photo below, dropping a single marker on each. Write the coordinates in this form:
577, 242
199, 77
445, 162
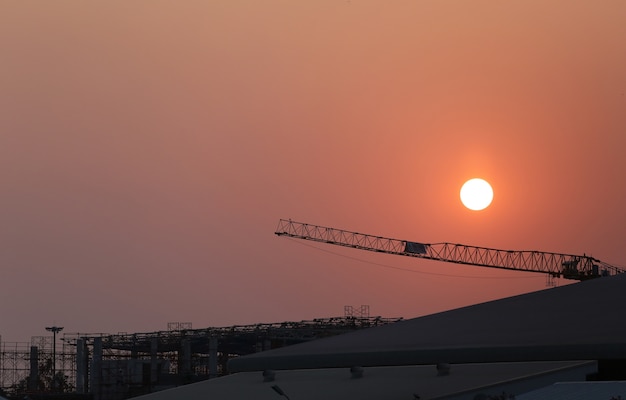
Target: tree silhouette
45, 382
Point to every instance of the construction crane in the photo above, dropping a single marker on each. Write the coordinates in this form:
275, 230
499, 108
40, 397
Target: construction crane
568, 266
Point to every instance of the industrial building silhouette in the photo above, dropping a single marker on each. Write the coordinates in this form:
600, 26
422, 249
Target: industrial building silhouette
124, 365
557, 340
515, 346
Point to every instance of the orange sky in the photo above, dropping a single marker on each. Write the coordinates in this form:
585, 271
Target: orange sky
148, 149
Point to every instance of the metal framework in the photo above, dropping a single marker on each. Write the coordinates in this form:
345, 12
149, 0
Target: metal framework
14, 363
17, 360
568, 266
123, 365
360, 312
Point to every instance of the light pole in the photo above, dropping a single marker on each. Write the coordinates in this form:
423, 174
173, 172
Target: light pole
54, 330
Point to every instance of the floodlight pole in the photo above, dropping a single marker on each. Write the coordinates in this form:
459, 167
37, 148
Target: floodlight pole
54, 330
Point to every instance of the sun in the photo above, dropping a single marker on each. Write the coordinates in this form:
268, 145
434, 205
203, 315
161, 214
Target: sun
476, 194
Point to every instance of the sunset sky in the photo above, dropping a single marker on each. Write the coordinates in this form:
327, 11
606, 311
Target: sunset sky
149, 148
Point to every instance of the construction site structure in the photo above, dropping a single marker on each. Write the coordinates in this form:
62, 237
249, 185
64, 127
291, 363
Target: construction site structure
119, 366
36, 366
568, 266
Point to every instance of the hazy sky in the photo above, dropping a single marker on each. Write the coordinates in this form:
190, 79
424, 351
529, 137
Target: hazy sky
149, 148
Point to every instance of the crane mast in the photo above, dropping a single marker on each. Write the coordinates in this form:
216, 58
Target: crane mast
568, 266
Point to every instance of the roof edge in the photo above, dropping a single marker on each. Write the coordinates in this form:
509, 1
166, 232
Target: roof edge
482, 354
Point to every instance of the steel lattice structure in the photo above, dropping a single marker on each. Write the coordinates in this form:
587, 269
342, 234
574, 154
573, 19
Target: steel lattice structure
123, 365
568, 266
14, 363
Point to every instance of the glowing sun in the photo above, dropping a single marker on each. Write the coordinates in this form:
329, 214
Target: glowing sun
476, 194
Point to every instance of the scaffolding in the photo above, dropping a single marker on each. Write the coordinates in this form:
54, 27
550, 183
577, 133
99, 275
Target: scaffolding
27, 366
359, 312
14, 363
123, 365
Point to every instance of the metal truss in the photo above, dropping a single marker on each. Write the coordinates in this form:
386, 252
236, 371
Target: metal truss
114, 365
568, 266
14, 363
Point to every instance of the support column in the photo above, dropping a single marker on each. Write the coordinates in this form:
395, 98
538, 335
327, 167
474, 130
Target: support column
96, 369
213, 357
81, 366
33, 379
184, 361
154, 348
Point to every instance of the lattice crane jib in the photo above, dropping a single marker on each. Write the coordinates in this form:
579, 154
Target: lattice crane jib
568, 266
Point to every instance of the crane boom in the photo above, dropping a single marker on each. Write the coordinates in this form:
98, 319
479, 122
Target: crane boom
568, 266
